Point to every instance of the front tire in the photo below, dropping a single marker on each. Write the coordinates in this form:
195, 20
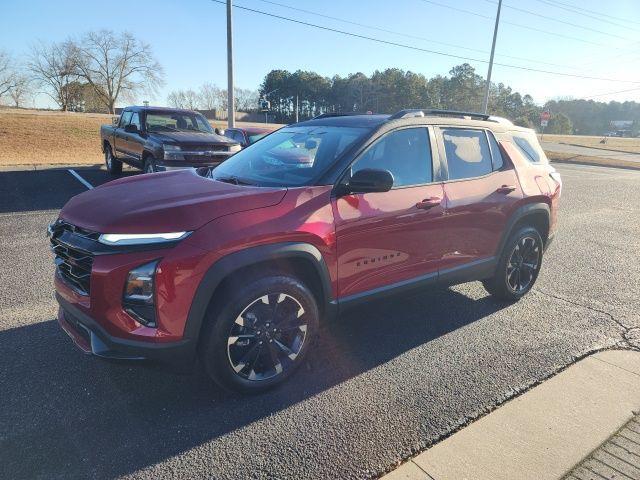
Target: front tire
150, 165
518, 267
114, 166
261, 334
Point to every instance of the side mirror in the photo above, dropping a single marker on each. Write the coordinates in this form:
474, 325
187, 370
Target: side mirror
219, 131
131, 128
370, 180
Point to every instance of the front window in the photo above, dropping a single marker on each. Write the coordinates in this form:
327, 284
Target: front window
290, 157
177, 122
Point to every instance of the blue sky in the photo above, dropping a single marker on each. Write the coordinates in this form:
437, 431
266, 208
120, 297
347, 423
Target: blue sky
189, 39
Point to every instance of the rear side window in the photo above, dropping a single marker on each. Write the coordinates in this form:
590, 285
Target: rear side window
135, 120
528, 148
467, 151
405, 153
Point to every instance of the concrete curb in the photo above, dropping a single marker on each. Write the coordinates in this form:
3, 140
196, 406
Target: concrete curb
544, 433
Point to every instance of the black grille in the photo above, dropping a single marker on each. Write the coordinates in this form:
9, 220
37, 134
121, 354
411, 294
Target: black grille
73, 264
206, 148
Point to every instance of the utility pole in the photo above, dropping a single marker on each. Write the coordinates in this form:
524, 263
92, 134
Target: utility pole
296, 108
231, 108
485, 104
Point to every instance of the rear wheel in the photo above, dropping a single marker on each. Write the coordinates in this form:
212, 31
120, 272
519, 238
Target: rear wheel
261, 334
114, 166
518, 266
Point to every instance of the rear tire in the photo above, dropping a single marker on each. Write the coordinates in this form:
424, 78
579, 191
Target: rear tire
260, 334
114, 166
518, 267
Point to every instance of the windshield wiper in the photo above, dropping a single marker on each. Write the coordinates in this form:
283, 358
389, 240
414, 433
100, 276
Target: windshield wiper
233, 180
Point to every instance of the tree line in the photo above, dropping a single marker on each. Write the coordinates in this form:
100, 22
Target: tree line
394, 89
210, 97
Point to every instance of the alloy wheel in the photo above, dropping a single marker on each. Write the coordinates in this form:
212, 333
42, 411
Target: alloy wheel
523, 264
267, 337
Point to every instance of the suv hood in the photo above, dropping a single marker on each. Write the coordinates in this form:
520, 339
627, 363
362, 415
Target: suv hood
173, 201
191, 138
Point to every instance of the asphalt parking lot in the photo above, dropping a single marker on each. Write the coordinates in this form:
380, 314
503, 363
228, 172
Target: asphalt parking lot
385, 382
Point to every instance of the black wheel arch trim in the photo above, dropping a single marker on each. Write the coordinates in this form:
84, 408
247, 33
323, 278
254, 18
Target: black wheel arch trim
520, 213
233, 262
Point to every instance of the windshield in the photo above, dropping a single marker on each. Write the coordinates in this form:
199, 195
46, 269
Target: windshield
176, 122
290, 157
256, 137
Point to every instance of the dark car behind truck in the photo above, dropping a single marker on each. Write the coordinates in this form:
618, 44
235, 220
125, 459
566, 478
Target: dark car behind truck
158, 139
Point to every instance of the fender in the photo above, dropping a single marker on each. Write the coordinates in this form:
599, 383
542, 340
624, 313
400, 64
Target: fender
251, 256
519, 214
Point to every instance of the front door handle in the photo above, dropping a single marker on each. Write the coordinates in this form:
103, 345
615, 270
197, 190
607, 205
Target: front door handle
428, 203
506, 189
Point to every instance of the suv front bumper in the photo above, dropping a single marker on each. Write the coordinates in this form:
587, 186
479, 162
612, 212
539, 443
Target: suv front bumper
92, 338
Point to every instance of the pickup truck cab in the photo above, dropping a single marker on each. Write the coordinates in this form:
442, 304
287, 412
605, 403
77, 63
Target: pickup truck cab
157, 139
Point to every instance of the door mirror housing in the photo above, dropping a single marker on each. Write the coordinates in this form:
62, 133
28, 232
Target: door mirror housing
369, 180
131, 128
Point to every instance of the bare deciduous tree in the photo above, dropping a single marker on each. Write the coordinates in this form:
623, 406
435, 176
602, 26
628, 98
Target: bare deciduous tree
209, 96
21, 92
7, 73
187, 99
246, 99
52, 66
116, 66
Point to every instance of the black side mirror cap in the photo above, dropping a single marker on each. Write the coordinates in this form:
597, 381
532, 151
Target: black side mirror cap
369, 180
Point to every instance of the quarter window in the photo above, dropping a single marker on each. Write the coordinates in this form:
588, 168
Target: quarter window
529, 151
498, 161
467, 152
405, 153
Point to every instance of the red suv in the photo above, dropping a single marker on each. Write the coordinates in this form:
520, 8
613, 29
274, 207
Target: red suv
239, 264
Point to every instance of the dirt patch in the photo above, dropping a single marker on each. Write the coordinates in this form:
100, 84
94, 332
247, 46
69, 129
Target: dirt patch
628, 145
562, 157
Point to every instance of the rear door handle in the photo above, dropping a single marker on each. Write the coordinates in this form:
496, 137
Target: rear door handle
428, 203
506, 189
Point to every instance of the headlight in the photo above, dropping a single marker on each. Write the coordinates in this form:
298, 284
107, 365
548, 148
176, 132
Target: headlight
172, 152
141, 238
138, 296
235, 148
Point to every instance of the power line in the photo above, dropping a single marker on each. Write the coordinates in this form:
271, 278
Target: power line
612, 93
564, 22
527, 27
581, 8
434, 52
406, 35
578, 11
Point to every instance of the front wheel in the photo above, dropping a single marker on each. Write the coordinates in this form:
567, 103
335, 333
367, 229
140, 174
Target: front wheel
518, 266
261, 334
150, 165
114, 166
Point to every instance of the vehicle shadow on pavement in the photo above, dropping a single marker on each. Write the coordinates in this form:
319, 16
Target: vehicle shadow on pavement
67, 415
32, 190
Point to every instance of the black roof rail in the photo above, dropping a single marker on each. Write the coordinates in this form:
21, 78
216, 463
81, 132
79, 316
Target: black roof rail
419, 112
338, 114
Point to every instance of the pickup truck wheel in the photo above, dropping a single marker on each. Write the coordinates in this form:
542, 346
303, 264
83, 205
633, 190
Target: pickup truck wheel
114, 166
518, 266
261, 334
150, 165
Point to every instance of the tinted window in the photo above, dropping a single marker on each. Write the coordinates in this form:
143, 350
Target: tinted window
405, 153
528, 150
125, 118
498, 161
467, 152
